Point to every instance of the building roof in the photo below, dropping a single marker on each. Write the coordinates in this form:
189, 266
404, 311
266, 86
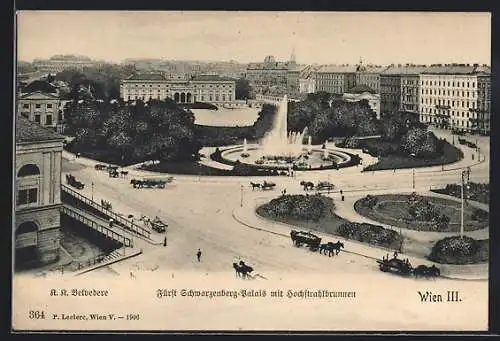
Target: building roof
210, 78
146, 77
41, 86
404, 70
31, 132
337, 69
370, 69
458, 69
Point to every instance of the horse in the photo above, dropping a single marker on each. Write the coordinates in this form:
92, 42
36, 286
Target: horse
254, 185
308, 185
433, 271
137, 183
323, 248
124, 173
421, 271
426, 271
242, 270
337, 246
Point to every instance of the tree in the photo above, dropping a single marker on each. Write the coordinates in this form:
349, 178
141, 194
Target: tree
243, 88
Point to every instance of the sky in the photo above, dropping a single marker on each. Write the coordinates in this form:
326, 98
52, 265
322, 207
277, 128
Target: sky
317, 37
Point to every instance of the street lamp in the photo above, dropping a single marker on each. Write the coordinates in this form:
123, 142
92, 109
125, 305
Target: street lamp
241, 200
92, 190
464, 173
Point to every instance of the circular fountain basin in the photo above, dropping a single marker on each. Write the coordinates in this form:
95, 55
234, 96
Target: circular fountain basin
313, 160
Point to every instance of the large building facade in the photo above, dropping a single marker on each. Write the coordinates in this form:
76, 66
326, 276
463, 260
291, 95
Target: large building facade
203, 88
451, 97
37, 193
41, 107
60, 63
369, 75
336, 79
269, 76
410, 89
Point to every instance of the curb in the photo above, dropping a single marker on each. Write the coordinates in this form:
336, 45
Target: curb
451, 276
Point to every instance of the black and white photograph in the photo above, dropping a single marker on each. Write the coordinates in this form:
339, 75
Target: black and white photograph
246, 171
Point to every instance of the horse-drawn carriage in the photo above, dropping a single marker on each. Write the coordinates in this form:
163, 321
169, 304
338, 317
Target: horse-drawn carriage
403, 267
300, 238
151, 182
71, 180
264, 186
320, 186
158, 225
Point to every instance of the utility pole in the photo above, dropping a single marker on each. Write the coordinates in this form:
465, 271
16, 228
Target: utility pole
413, 178
92, 190
241, 201
464, 172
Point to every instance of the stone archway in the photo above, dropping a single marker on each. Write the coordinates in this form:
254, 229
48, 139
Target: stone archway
26, 241
183, 97
176, 97
188, 97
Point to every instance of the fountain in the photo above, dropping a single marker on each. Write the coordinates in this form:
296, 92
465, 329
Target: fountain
245, 148
278, 142
280, 149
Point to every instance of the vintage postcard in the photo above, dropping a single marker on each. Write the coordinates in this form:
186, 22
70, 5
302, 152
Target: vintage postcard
251, 171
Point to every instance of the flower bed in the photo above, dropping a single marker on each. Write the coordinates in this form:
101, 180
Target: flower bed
476, 191
429, 213
371, 234
315, 212
460, 250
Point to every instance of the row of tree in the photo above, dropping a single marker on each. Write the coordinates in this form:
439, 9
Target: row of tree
325, 115
158, 130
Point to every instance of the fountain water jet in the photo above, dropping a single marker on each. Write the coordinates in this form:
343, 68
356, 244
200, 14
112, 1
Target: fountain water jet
277, 142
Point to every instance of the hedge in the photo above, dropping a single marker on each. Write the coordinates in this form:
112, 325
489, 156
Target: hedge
371, 234
460, 250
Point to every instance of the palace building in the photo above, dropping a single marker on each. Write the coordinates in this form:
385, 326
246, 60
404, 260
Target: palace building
37, 192
203, 88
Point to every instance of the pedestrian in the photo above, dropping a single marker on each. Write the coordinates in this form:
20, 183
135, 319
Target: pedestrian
198, 255
395, 254
341, 192
165, 241
394, 171
110, 222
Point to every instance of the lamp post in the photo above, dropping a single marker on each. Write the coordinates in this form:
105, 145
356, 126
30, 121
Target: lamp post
241, 200
92, 190
413, 178
464, 173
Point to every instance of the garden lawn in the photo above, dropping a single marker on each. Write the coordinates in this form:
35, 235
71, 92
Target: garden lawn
392, 209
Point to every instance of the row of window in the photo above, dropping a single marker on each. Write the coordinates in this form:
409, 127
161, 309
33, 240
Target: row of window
38, 118
38, 106
195, 85
465, 104
458, 114
452, 83
203, 98
447, 92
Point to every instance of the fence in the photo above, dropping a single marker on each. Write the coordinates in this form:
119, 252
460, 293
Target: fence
118, 218
98, 227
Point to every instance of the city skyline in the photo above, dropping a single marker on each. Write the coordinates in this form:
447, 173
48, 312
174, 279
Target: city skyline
420, 38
